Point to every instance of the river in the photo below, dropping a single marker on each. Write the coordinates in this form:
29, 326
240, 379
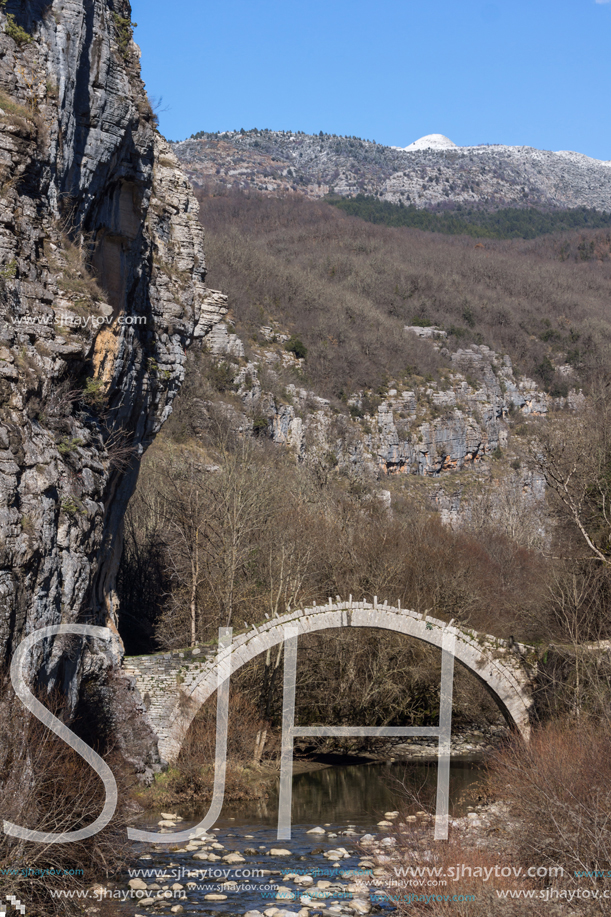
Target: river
349, 798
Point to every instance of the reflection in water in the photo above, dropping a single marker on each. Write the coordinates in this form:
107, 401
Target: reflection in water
338, 796
360, 794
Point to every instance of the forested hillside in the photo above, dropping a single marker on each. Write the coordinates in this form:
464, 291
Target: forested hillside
347, 288
506, 223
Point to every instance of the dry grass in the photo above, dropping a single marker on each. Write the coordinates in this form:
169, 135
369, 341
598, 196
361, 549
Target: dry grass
559, 792
47, 787
76, 277
556, 794
10, 107
190, 782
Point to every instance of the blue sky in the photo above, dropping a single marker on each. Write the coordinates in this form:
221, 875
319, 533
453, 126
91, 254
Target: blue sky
533, 72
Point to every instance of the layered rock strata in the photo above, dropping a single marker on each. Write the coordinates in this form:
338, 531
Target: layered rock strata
102, 286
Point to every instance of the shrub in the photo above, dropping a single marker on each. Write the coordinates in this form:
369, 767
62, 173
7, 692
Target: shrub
47, 787
296, 346
260, 424
124, 33
221, 375
94, 393
419, 322
559, 792
16, 32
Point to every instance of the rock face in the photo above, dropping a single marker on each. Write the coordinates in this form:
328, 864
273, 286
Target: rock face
433, 429
102, 276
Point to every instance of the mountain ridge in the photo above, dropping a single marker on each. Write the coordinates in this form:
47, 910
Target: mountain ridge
488, 177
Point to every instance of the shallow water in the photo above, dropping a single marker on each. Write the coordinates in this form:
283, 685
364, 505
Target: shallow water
358, 794
334, 798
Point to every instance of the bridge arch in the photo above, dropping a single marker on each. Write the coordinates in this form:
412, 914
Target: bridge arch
498, 667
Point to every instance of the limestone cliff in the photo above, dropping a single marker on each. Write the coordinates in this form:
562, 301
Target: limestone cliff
461, 442
102, 289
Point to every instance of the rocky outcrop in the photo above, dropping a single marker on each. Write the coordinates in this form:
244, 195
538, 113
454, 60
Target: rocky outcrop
434, 428
102, 282
462, 441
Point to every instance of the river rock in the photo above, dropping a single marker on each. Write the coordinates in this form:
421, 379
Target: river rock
201, 856
304, 880
166, 824
316, 831
367, 839
338, 854
253, 914
177, 909
284, 893
391, 814
279, 852
232, 859
358, 889
385, 824
137, 884
215, 897
315, 894
360, 906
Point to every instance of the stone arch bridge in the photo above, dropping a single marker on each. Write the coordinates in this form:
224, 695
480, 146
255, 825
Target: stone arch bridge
175, 685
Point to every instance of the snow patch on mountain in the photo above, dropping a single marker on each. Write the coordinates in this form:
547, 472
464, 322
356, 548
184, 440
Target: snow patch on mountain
431, 142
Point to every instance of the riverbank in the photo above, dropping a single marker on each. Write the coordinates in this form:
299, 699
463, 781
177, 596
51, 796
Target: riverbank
192, 788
